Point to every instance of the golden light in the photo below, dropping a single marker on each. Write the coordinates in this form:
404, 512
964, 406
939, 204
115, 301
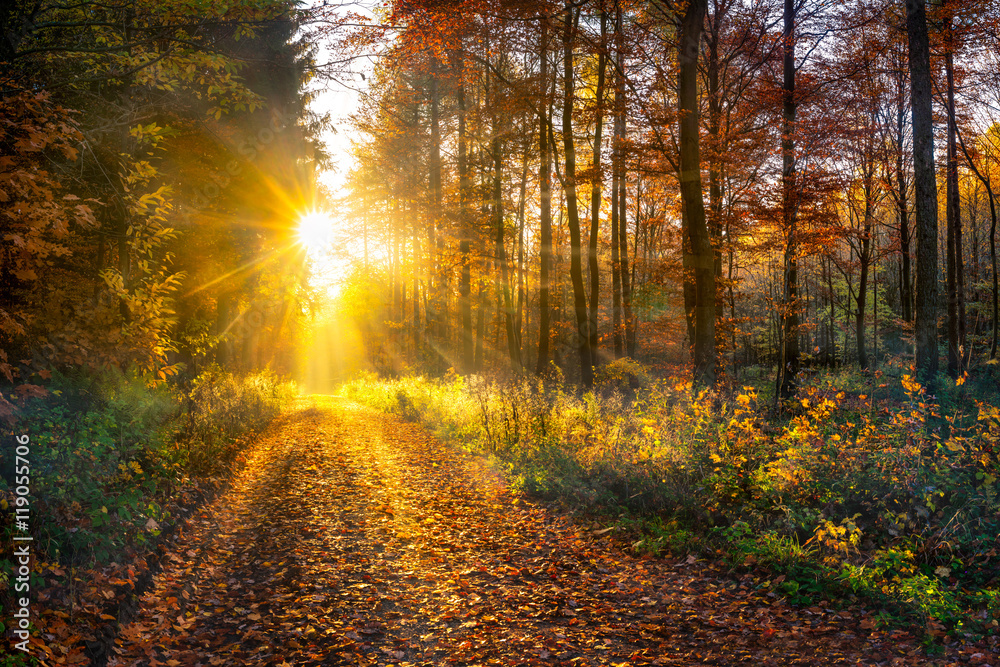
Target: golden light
315, 232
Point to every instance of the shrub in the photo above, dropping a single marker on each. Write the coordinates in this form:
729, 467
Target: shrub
862, 467
108, 450
221, 412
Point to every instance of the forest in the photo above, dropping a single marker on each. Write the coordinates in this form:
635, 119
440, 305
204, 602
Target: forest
519, 187
700, 295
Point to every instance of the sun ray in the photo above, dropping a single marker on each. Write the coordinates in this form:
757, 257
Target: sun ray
315, 232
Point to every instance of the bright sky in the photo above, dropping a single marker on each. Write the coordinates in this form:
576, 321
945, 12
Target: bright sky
338, 98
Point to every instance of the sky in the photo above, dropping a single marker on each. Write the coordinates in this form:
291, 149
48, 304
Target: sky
337, 97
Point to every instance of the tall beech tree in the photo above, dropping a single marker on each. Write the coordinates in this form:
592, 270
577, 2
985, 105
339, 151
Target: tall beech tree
788, 363
699, 256
581, 336
925, 191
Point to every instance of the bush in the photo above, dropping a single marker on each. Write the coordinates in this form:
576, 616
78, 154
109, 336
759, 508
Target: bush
96, 465
108, 451
861, 467
221, 412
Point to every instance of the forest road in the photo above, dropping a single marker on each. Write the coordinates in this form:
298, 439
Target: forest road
353, 538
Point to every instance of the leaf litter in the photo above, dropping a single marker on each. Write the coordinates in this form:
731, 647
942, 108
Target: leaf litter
354, 538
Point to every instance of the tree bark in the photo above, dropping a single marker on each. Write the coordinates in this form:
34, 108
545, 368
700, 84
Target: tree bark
582, 337
513, 346
699, 256
789, 362
905, 295
464, 247
617, 164
715, 160
925, 193
595, 189
862, 296
627, 280
953, 222
436, 318
545, 209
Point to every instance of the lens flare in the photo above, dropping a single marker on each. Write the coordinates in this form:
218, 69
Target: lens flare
315, 231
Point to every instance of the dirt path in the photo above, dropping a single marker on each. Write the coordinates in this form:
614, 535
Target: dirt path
353, 538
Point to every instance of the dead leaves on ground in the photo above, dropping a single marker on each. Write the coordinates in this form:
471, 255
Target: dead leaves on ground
354, 539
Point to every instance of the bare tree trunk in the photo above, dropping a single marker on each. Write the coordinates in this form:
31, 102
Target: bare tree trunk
436, 318
464, 246
616, 264
715, 165
595, 190
628, 274
993, 268
699, 256
862, 296
953, 211
905, 295
416, 278
788, 368
925, 199
520, 307
628, 323
478, 360
576, 265
506, 301
617, 330
545, 209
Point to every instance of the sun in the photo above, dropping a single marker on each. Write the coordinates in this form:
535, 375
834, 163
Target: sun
315, 231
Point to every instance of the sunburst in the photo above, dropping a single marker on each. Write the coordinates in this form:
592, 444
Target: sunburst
315, 232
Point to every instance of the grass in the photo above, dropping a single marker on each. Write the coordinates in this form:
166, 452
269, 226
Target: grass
866, 487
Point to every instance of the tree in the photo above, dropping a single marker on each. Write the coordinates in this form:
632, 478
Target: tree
581, 335
788, 364
925, 192
699, 256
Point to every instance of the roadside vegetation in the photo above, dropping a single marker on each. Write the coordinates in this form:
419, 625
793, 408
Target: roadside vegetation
113, 459
866, 487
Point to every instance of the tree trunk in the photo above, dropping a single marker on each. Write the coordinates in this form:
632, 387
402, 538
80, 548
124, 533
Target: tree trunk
464, 246
617, 163
715, 161
436, 318
788, 367
478, 360
416, 278
628, 323
905, 295
520, 307
699, 256
545, 209
925, 192
993, 268
953, 222
595, 189
506, 302
862, 296
616, 264
582, 337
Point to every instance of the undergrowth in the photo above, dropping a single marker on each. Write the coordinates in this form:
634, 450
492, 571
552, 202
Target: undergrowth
108, 452
866, 487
